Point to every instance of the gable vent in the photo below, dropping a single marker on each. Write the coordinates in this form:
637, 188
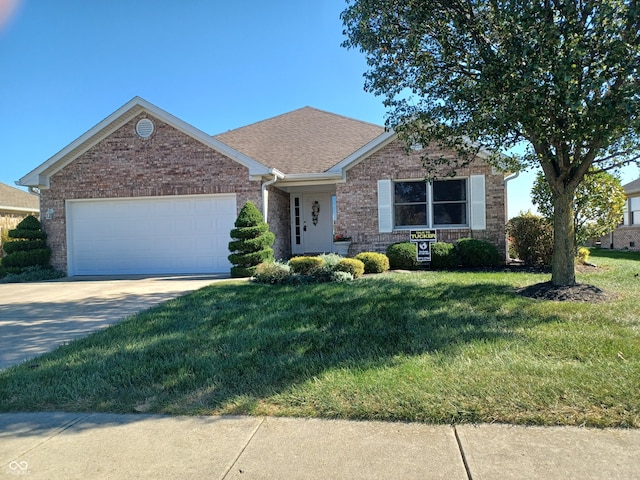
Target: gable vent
144, 128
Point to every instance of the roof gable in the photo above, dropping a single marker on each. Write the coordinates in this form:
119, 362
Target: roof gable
304, 141
39, 177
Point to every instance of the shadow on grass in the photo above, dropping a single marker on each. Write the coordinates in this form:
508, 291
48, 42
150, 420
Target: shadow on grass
203, 352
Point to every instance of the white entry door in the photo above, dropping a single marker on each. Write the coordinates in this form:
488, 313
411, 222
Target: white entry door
317, 222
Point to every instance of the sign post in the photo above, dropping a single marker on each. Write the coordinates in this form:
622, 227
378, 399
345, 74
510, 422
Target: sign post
423, 240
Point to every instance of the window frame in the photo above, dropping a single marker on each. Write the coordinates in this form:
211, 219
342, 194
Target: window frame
429, 204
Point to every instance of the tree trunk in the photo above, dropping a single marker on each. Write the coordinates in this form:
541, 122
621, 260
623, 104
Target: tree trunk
564, 240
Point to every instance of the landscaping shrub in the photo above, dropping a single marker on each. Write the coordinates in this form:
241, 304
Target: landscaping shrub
28, 248
251, 244
403, 255
339, 276
531, 239
374, 262
478, 253
305, 265
443, 255
351, 265
31, 274
272, 272
583, 255
330, 259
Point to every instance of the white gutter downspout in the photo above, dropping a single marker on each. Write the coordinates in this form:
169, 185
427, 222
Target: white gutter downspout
508, 178
265, 193
506, 203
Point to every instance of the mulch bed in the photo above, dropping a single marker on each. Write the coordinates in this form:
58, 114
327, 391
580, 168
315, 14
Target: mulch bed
580, 292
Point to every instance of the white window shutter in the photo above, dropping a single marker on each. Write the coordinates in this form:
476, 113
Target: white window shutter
385, 206
478, 207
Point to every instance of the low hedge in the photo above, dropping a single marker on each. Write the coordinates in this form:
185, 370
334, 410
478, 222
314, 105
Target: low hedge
403, 255
305, 265
374, 262
444, 255
478, 253
351, 265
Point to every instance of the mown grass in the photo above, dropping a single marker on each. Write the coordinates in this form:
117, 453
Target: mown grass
436, 347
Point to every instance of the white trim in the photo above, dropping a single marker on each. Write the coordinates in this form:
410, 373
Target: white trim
370, 148
8, 209
477, 203
385, 206
39, 177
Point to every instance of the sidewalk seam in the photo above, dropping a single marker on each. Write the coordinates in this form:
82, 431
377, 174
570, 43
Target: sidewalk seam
462, 454
235, 460
57, 432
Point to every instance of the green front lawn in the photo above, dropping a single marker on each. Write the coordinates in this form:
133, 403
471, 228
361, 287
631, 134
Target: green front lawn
436, 347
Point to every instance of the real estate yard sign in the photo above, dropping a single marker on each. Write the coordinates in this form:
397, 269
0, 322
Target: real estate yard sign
423, 240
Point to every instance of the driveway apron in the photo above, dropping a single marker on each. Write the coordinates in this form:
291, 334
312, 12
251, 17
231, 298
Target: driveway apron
37, 317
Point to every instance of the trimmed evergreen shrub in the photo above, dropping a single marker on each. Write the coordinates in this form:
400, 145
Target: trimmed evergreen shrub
351, 265
403, 255
305, 265
11, 247
374, 262
252, 241
531, 238
443, 255
478, 253
28, 248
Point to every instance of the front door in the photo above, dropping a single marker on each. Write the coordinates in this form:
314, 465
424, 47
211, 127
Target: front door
315, 223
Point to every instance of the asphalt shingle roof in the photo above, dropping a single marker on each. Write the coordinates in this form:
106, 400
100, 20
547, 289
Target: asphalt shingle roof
306, 140
16, 198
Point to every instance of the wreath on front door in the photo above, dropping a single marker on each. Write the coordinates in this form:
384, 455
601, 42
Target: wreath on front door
315, 211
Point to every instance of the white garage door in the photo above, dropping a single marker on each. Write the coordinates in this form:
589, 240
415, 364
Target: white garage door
185, 234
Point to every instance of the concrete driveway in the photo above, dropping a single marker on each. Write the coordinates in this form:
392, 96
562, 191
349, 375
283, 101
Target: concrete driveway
37, 317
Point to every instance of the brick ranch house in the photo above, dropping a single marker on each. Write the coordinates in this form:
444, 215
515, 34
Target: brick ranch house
145, 192
627, 235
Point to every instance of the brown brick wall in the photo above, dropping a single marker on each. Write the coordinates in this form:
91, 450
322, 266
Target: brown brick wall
357, 200
279, 219
124, 165
624, 238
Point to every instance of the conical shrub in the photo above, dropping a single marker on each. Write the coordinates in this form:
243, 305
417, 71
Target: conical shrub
28, 247
252, 241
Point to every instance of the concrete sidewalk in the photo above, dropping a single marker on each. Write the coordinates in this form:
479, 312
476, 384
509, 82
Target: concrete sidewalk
90, 446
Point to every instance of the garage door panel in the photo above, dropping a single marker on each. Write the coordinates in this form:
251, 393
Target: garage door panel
150, 235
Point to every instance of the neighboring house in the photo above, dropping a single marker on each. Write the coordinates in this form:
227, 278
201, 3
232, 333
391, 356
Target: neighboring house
627, 235
15, 204
145, 192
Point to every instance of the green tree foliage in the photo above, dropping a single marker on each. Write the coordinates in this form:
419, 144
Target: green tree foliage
252, 241
598, 204
560, 76
28, 247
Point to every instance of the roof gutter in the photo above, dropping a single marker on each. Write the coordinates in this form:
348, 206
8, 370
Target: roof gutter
265, 194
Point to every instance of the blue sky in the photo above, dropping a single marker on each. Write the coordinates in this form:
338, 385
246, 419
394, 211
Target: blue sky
66, 65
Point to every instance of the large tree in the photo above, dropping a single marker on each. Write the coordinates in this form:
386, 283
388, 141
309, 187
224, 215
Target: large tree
598, 205
562, 76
